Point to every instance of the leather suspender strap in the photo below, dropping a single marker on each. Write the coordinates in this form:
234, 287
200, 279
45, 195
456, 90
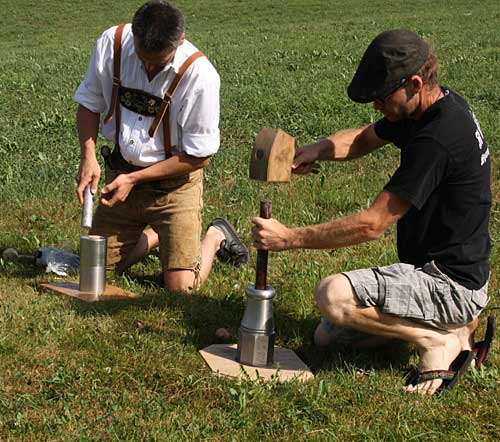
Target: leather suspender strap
164, 113
115, 106
183, 70
167, 145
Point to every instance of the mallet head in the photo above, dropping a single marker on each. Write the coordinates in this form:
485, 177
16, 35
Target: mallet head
272, 156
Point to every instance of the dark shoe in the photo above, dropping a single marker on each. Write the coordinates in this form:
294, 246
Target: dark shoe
482, 349
232, 250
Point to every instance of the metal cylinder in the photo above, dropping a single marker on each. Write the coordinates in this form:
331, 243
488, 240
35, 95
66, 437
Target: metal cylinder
88, 207
258, 316
256, 335
93, 264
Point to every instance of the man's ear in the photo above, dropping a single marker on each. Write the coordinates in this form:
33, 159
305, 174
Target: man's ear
416, 83
183, 37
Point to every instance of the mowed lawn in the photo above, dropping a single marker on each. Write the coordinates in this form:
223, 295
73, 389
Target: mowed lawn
71, 371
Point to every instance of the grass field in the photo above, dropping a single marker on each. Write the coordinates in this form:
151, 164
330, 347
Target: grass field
78, 372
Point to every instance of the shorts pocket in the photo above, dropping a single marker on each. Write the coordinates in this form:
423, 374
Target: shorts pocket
409, 301
445, 301
480, 297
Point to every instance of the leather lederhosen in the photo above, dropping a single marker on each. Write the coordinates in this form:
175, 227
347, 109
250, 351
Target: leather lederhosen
162, 111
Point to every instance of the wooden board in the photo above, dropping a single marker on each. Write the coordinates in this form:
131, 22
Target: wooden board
221, 358
70, 288
272, 156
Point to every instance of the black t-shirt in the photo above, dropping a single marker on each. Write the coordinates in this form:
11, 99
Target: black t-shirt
445, 175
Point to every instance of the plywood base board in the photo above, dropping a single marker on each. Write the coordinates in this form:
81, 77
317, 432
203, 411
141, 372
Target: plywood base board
70, 288
221, 358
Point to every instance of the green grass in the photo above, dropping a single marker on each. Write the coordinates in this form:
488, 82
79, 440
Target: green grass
71, 371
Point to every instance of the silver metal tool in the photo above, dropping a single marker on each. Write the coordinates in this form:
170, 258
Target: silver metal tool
93, 264
88, 207
256, 335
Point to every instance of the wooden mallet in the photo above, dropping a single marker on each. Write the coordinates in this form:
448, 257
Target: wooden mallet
271, 161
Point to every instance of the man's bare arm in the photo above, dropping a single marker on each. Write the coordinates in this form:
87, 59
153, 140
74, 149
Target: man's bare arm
367, 225
87, 123
88, 127
354, 143
342, 146
119, 189
174, 166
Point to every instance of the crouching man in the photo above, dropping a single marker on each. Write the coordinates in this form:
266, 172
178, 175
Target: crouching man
440, 198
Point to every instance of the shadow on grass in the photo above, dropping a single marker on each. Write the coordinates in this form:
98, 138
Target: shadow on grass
202, 315
21, 270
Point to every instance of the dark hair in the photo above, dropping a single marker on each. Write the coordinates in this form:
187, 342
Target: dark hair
158, 26
430, 69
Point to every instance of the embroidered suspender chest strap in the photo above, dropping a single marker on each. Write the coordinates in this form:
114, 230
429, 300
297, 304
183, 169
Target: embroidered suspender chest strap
163, 114
139, 101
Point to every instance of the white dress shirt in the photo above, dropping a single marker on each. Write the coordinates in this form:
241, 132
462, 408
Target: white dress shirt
194, 111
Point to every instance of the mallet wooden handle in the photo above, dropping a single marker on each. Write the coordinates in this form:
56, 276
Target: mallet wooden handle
261, 272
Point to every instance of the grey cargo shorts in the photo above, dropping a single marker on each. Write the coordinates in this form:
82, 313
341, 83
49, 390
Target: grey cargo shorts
423, 294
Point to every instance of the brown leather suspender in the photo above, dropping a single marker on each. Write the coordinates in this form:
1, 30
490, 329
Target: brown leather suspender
115, 105
164, 113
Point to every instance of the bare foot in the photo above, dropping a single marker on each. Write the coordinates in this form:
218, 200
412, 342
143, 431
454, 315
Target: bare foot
466, 334
147, 241
438, 355
325, 336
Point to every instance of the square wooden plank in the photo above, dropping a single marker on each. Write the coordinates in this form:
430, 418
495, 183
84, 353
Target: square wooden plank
221, 358
70, 288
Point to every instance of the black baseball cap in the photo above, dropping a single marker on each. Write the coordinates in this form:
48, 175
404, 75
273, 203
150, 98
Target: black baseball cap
391, 58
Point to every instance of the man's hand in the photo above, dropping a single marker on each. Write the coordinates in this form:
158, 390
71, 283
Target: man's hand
305, 160
116, 191
89, 172
270, 234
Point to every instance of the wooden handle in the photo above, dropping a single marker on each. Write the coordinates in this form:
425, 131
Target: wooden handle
261, 271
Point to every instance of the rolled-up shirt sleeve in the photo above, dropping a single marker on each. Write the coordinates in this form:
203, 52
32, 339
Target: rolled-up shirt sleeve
198, 119
90, 92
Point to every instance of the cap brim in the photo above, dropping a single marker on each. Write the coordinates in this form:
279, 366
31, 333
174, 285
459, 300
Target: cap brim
365, 86
368, 82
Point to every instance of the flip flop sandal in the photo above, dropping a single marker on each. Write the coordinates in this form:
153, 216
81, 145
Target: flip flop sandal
232, 249
450, 377
481, 349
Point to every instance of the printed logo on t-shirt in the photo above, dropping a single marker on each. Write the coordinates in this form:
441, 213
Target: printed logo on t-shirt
480, 139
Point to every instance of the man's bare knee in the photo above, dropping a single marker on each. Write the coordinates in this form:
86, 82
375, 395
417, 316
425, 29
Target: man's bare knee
333, 296
179, 280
